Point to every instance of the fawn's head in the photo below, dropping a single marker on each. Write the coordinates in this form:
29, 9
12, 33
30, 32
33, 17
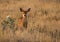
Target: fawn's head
25, 12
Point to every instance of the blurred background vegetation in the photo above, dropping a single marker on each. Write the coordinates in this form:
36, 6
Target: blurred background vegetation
43, 21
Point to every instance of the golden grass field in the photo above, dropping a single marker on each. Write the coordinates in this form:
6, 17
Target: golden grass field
43, 20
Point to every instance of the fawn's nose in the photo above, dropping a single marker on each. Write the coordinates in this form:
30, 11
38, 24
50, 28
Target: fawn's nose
24, 15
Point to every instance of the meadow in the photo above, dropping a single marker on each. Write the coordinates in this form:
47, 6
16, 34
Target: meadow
43, 21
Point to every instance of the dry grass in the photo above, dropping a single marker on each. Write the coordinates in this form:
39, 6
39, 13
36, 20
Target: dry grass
43, 21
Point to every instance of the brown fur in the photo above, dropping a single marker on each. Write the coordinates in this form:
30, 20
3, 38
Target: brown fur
22, 22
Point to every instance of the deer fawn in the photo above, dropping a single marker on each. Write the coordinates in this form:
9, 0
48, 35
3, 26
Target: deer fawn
22, 22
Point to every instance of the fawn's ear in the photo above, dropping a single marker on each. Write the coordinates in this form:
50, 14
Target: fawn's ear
29, 9
21, 9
